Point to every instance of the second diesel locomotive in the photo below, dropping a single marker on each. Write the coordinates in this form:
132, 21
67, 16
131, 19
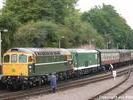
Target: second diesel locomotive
24, 67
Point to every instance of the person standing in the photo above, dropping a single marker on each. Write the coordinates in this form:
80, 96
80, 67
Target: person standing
53, 82
113, 71
111, 68
114, 74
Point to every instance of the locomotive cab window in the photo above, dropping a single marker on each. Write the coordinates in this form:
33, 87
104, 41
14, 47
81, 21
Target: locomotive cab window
6, 58
67, 57
22, 58
30, 59
13, 58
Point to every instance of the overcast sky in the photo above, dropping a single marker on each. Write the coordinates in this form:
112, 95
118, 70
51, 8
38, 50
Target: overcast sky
1, 3
123, 7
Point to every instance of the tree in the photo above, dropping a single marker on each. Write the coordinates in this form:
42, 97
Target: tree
36, 34
19, 13
83, 32
109, 24
27, 10
9, 24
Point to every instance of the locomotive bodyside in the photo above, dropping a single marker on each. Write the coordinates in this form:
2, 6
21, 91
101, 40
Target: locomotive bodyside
84, 59
37, 62
52, 61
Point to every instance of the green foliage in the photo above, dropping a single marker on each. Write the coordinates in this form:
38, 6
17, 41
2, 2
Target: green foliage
27, 10
17, 12
84, 32
36, 34
50, 34
109, 24
7, 37
42, 33
54, 23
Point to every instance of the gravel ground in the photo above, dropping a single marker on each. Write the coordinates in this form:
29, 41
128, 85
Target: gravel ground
119, 89
128, 95
80, 93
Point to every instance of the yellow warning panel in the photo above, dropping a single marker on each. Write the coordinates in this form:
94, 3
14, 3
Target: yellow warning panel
15, 69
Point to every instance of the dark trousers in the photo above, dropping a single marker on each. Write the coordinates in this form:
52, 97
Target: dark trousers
53, 90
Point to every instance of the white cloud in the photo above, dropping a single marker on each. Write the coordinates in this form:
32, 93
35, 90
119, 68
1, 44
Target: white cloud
123, 7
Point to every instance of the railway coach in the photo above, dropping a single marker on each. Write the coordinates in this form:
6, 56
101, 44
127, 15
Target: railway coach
109, 57
116, 57
125, 57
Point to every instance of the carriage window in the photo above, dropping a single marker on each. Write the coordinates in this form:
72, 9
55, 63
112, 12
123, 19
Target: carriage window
6, 58
22, 58
14, 58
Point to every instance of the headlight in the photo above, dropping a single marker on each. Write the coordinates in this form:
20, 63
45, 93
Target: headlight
30, 67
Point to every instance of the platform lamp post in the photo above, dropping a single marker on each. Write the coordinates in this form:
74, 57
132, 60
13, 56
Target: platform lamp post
4, 30
60, 41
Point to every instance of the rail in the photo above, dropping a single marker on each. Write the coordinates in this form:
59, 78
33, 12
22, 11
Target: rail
100, 95
61, 87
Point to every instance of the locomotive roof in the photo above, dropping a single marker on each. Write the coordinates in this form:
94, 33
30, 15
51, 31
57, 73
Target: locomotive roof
83, 50
41, 51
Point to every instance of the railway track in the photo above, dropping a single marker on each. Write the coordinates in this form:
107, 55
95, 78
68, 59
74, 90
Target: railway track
7, 95
115, 92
